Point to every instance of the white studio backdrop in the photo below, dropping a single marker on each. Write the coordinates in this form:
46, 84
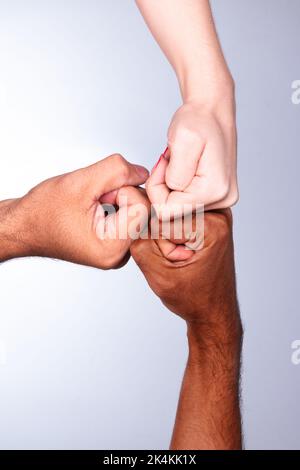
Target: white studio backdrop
91, 359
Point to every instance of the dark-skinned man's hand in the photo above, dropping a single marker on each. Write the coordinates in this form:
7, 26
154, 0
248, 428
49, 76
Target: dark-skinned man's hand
201, 289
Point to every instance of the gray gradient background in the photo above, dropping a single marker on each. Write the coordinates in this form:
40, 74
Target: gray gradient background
93, 359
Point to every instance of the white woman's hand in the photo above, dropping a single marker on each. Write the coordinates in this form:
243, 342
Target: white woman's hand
199, 166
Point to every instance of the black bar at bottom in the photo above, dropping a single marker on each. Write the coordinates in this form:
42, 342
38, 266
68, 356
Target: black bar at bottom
131, 459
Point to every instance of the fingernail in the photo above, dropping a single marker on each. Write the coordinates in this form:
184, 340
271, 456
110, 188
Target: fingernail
163, 155
165, 152
157, 163
142, 171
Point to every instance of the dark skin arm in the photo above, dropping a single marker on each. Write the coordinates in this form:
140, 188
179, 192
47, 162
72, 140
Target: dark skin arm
202, 291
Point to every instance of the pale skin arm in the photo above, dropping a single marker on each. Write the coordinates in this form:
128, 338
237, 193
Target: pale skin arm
185, 31
202, 133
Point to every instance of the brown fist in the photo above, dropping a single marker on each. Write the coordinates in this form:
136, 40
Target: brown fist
199, 287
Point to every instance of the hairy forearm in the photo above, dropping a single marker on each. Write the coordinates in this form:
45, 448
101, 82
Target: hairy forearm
208, 414
11, 244
186, 33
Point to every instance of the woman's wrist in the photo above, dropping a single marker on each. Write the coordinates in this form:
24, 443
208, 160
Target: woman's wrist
214, 89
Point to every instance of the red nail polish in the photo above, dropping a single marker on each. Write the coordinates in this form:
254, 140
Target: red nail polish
158, 162
163, 155
165, 152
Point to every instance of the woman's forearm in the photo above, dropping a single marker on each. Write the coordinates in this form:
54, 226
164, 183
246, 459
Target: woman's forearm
185, 31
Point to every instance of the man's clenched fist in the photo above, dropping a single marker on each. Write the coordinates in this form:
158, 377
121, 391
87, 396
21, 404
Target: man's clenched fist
63, 216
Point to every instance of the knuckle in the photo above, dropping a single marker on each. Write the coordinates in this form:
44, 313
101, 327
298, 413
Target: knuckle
233, 197
229, 197
118, 160
73, 179
119, 165
223, 226
221, 190
182, 135
136, 252
223, 233
64, 184
110, 260
162, 291
165, 289
219, 227
122, 167
175, 182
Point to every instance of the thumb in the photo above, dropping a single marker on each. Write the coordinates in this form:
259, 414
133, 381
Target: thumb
119, 229
174, 252
113, 172
185, 153
133, 214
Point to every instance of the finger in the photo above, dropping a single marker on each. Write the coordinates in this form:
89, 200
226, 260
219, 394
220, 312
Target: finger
178, 204
204, 191
177, 237
207, 190
113, 172
109, 198
120, 228
201, 194
156, 187
130, 196
211, 184
173, 230
185, 152
174, 252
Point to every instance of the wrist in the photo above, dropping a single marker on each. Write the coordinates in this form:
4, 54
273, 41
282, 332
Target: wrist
215, 90
11, 229
216, 342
